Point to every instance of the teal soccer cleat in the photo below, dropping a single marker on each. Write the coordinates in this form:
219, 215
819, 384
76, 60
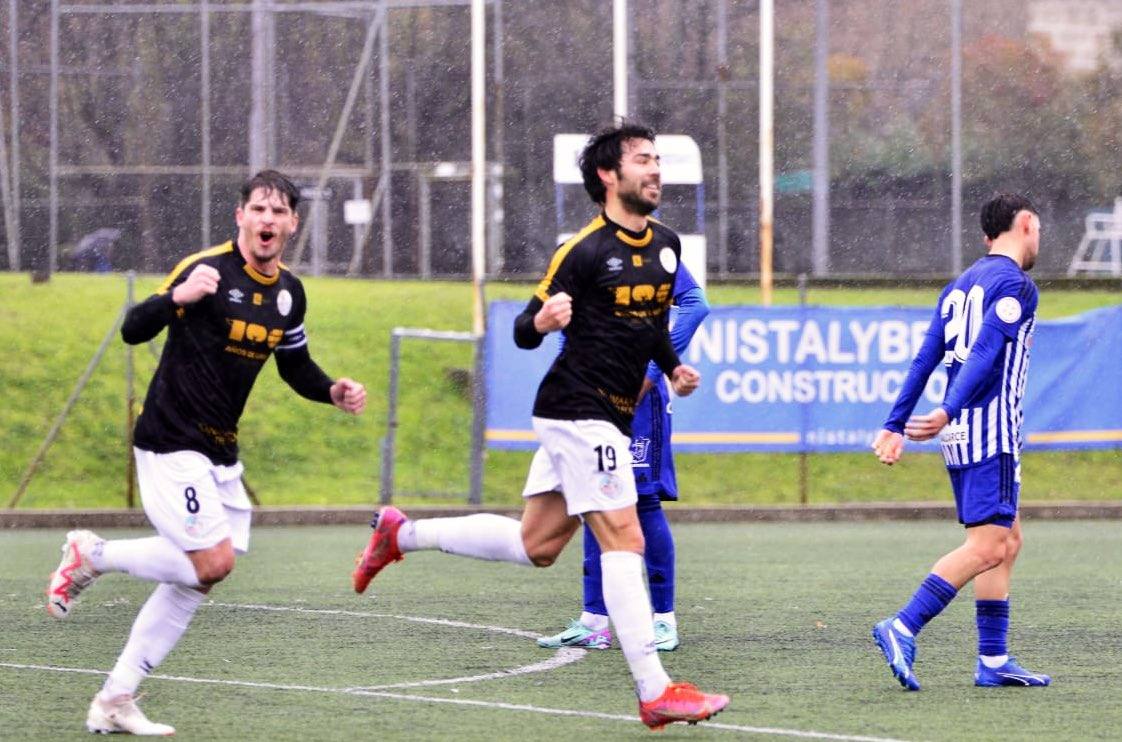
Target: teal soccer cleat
1008, 674
899, 650
666, 636
578, 635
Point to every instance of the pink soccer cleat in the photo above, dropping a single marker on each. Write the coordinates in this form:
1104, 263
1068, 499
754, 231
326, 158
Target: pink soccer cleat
680, 702
381, 550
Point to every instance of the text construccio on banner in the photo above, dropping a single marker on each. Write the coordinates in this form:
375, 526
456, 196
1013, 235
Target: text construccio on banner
811, 360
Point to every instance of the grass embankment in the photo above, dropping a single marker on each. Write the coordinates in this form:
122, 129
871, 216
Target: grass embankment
297, 452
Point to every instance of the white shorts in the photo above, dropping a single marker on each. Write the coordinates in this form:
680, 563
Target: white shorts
588, 461
192, 502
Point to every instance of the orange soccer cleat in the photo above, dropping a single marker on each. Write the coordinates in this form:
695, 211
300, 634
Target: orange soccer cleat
680, 702
381, 550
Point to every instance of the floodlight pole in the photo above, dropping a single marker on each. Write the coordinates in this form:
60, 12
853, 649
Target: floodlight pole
52, 224
956, 136
261, 125
767, 146
722, 140
478, 161
478, 235
820, 239
619, 58
14, 250
385, 183
204, 120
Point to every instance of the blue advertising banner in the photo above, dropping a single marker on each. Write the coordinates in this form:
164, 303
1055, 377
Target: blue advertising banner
790, 379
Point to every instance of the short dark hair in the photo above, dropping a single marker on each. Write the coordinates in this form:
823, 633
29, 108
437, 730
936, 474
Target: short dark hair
271, 180
605, 152
998, 212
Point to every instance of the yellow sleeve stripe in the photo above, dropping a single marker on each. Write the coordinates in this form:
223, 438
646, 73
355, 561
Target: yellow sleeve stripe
542, 291
184, 264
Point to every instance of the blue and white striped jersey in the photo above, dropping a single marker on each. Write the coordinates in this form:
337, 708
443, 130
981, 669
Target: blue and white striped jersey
982, 332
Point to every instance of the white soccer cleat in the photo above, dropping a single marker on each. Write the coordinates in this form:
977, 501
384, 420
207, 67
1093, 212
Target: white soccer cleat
121, 715
74, 573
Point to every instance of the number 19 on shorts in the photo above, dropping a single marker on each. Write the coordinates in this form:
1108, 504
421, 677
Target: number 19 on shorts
605, 458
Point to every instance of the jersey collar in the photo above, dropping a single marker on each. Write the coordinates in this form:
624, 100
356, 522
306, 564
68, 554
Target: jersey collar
626, 236
252, 272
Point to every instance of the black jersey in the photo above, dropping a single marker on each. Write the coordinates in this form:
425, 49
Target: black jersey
214, 351
620, 283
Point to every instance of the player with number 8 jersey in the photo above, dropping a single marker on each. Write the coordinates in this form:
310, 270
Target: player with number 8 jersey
982, 333
227, 310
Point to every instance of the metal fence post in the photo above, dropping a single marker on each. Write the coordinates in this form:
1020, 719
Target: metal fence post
130, 401
478, 422
391, 419
804, 455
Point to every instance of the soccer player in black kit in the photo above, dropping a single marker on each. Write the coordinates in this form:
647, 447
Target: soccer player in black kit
609, 289
227, 309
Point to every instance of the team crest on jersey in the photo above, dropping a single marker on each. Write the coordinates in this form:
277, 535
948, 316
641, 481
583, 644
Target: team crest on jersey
668, 259
639, 449
236, 296
284, 302
609, 485
615, 264
1008, 309
191, 525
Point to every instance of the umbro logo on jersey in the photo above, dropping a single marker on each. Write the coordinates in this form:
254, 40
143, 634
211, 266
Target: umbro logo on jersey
615, 264
236, 296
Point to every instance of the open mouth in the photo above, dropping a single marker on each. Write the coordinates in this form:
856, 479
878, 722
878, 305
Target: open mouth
266, 238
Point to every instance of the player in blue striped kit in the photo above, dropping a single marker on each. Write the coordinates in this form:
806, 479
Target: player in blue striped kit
655, 481
982, 332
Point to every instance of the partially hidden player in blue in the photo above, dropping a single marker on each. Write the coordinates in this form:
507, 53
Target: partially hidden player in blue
982, 332
655, 480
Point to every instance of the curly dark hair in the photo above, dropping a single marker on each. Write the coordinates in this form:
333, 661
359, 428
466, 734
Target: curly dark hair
271, 180
605, 152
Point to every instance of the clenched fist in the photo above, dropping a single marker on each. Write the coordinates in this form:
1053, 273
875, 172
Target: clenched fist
203, 281
349, 396
554, 314
685, 380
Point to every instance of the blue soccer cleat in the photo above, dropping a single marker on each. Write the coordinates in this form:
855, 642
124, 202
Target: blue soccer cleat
1008, 674
899, 650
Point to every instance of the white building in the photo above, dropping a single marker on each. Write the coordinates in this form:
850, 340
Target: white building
1083, 31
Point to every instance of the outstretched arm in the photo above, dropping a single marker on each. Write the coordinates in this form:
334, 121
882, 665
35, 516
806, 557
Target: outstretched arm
692, 311
889, 443
308, 380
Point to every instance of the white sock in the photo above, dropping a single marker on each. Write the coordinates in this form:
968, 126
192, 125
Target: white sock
667, 617
594, 621
899, 626
481, 536
155, 559
625, 594
993, 661
157, 628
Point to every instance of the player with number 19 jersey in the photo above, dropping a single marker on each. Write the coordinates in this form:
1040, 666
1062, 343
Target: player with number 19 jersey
982, 332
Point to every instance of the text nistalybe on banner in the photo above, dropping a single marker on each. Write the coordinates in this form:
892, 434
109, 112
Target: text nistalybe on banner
789, 379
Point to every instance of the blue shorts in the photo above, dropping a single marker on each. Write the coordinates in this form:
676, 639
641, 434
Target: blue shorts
987, 493
651, 458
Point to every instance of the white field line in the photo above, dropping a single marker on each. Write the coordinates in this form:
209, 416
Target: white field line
460, 702
563, 656
380, 692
